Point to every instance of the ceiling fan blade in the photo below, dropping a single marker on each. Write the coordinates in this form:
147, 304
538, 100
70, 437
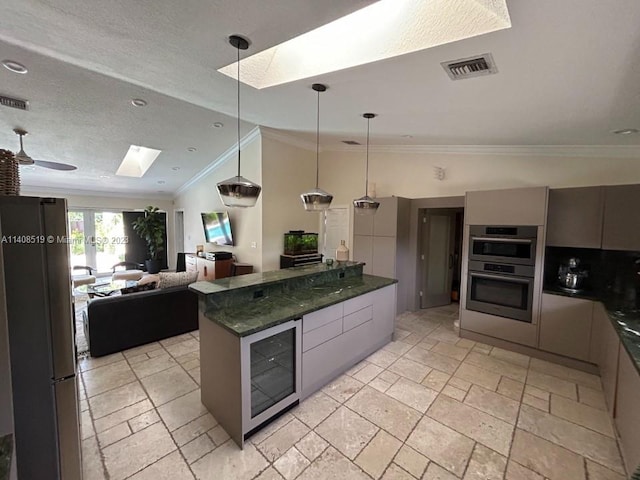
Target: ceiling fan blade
55, 165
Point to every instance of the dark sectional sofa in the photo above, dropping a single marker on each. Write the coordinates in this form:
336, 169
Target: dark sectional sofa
113, 324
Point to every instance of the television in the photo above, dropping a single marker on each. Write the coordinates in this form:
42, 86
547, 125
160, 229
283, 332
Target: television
217, 228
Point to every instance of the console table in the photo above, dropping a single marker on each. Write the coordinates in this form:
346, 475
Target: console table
208, 269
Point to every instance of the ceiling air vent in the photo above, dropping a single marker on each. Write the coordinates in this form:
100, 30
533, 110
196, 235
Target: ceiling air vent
470, 67
351, 142
13, 102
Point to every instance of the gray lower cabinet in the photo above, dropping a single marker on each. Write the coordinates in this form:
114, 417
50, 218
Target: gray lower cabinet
565, 326
609, 355
627, 411
575, 216
337, 337
621, 227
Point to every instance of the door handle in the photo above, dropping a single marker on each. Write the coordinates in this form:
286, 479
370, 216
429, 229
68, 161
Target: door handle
450, 261
205, 270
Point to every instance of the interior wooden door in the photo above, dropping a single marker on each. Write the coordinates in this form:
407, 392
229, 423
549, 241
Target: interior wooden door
436, 258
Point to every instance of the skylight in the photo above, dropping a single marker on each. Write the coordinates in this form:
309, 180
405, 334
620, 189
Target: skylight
137, 161
385, 29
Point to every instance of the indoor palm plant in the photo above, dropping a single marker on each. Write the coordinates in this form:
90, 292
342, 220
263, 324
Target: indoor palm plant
151, 227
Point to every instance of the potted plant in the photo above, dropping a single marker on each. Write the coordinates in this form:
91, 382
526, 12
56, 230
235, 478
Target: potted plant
151, 228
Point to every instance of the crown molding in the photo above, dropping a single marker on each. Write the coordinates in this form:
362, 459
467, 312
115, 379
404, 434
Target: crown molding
41, 190
224, 157
586, 151
287, 138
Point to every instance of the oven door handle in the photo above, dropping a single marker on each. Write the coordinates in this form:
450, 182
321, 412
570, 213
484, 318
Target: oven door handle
499, 277
503, 240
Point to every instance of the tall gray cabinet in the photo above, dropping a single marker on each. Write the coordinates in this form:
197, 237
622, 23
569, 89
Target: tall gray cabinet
381, 241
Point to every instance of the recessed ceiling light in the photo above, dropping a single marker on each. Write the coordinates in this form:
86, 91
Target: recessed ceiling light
626, 131
161, 182
175, 169
191, 149
218, 125
138, 102
15, 67
137, 161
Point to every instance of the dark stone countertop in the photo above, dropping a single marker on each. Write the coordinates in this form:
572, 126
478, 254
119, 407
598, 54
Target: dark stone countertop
271, 310
6, 453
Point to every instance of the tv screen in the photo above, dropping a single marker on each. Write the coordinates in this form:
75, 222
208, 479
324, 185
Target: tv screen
217, 228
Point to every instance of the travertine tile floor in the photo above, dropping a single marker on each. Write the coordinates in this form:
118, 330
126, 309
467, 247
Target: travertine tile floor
427, 406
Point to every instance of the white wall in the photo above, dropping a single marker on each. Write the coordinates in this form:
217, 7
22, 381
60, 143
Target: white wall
287, 171
246, 223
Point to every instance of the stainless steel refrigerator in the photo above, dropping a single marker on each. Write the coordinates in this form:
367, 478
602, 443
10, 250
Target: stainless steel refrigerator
41, 337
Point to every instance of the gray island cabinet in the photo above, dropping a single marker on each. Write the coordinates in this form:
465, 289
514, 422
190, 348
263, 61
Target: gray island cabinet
269, 340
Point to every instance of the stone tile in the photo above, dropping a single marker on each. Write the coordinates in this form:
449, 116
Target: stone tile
399, 334
197, 448
182, 410
143, 421
108, 377
188, 357
228, 461
591, 397
218, 435
454, 392
546, 458
496, 365
482, 348
566, 373
114, 400
312, 445
537, 392
412, 394
89, 363
535, 402
264, 433
137, 451
91, 463
450, 350
86, 425
169, 384
291, 464
409, 369
384, 411
171, 467
412, 339
378, 454
515, 471
581, 414
283, 439
459, 383
332, 465
436, 472
138, 358
195, 334
413, 462
441, 444
466, 343
478, 376
493, 403
379, 384
343, 388
383, 358
356, 368
512, 357
179, 349
315, 409
436, 380
486, 429
347, 431
368, 373
445, 334
598, 472
195, 374
194, 429
397, 348
394, 472
84, 405
154, 365
113, 419
149, 347
427, 343
433, 360
590, 444
269, 474
511, 388
114, 434
175, 340
552, 384
485, 464
389, 377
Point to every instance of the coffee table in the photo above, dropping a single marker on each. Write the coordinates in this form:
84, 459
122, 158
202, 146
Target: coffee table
104, 289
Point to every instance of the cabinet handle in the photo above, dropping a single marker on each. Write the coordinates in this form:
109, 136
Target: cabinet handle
205, 270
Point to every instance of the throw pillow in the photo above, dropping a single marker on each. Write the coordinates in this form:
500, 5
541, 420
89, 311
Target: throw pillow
138, 288
176, 279
149, 278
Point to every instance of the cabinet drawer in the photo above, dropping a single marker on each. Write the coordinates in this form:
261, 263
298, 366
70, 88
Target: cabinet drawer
320, 335
358, 303
320, 318
357, 318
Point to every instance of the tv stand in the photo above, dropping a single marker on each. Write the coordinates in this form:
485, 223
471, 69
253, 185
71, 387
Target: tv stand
288, 261
208, 269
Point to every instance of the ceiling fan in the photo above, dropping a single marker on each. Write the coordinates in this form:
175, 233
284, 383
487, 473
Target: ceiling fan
24, 159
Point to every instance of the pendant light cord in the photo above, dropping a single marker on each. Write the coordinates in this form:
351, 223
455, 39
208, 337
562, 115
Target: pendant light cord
238, 49
366, 177
318, 140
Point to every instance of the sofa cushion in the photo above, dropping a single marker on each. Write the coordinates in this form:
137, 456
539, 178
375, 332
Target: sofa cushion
138, 288
176, 279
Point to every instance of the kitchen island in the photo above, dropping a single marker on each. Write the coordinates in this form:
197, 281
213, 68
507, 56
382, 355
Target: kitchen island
268, 340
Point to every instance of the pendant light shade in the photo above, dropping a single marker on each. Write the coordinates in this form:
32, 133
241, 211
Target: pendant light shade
238, 191
317, 199
366, 205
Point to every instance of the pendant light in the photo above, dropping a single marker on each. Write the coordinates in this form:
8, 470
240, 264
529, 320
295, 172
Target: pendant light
366, 205
238, 191
317, 199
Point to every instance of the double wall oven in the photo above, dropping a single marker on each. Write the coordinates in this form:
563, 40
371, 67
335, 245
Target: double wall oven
501, 270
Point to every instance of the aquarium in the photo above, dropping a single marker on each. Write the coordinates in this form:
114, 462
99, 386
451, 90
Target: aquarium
297, 242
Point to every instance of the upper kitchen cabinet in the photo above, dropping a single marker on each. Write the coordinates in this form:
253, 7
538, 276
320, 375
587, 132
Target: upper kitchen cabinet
621, 218
385, 222
517, 206
575, 217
